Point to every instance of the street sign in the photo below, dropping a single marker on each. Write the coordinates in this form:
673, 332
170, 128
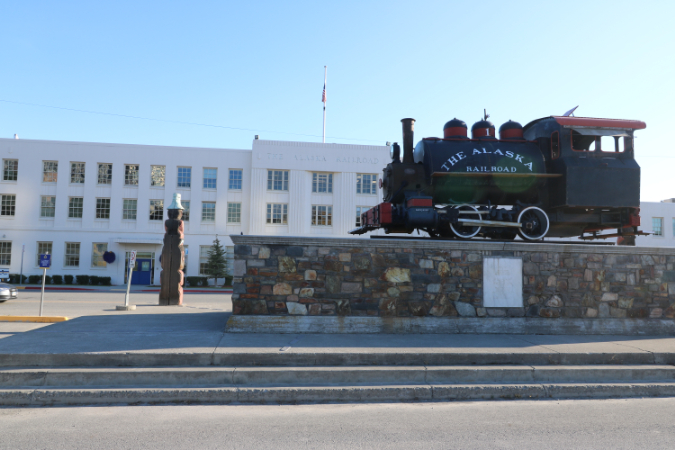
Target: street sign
132, 258
45, 261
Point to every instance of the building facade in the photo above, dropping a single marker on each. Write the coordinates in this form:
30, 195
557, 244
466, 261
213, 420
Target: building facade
79, 200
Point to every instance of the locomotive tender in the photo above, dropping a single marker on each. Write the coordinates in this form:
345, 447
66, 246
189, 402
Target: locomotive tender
558, 176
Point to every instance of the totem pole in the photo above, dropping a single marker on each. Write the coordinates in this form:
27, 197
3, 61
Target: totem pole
173, 256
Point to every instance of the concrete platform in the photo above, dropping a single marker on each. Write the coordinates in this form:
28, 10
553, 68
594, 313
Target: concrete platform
170, 357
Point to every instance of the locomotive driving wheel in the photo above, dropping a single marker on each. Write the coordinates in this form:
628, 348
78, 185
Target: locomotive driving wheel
466, 231
534, 223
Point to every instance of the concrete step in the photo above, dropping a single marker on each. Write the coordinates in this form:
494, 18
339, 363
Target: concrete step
328, 358
185, 377
332, 394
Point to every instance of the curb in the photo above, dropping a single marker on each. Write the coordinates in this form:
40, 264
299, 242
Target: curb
331, 394
36, 319
48, 288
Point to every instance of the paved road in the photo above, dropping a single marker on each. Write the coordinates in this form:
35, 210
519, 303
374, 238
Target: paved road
76, 304
522, 425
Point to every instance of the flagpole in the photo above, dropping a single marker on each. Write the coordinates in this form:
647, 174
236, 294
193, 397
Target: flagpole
325, 77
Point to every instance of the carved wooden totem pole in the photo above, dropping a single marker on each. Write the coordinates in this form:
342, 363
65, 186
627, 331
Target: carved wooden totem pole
173, 256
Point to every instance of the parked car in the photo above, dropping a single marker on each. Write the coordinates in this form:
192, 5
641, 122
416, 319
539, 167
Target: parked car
7, 291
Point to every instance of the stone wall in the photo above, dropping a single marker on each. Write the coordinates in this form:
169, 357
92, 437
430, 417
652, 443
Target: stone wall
408, 278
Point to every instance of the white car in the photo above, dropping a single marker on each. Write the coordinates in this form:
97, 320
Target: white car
7, 291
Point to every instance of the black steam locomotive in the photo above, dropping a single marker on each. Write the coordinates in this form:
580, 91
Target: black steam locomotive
558, 176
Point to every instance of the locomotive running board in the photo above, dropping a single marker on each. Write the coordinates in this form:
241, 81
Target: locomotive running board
489, 223
612, 235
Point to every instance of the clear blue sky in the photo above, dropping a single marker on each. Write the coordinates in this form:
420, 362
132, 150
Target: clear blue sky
259, 66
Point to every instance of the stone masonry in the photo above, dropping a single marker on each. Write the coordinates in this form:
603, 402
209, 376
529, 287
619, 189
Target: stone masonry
404, 278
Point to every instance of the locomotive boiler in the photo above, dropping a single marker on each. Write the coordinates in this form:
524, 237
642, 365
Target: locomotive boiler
558, 176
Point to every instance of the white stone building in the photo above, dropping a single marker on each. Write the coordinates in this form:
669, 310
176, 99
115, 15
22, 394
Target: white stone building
657, 218
77, 200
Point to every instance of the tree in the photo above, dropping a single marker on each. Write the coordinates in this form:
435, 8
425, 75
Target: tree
216, 265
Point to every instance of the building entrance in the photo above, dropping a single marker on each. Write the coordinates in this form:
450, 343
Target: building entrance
144, 270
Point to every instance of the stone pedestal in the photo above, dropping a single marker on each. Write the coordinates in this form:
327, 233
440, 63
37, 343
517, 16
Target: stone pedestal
567, 286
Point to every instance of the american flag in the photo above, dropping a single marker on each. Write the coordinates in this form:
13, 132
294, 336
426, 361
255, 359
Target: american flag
323, 95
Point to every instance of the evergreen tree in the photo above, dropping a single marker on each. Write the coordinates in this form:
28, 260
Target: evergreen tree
216, 265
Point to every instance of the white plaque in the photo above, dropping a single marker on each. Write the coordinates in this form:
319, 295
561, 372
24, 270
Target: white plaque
502, 282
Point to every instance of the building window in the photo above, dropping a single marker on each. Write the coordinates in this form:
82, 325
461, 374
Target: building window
103, 208
360, 210
5, 253
97, 251
235, 180
366, 183
322, 182
129, 208
184, 177
156, 209
203, 259
234, 213
157, 175
322, 215
10, 169
210, 178
657, 226
186, 210
277, 213
48, 206
77, 173
75, 206
72, 256
208, 211
105, 173
50, 171
7, 205
131, 174
43, 248
277, 180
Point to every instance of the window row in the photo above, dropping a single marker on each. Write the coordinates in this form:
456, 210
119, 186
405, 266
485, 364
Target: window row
71, 254
657, 226
130, 209
131, 174
322, 183
322, 215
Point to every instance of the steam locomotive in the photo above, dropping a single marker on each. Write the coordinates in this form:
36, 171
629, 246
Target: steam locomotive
557, 176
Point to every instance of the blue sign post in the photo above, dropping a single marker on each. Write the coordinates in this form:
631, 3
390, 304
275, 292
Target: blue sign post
45, 263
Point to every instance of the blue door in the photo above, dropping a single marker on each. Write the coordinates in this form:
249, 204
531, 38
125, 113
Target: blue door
142, 271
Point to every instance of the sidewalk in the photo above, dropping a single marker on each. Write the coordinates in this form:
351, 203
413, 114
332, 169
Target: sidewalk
201, 335
134, 288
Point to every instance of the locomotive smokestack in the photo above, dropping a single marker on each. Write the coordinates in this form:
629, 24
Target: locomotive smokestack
408, 134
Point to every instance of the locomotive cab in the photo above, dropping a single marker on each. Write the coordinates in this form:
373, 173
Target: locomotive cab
599, 183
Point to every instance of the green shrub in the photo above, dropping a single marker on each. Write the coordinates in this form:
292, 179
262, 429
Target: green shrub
48, 279
57, 279
193, 281
105, 281
68, 279
205, 281
34, 279
82, 280
93, 280
14, 278
228, 280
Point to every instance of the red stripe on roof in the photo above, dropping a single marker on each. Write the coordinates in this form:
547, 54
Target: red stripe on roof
595, 122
